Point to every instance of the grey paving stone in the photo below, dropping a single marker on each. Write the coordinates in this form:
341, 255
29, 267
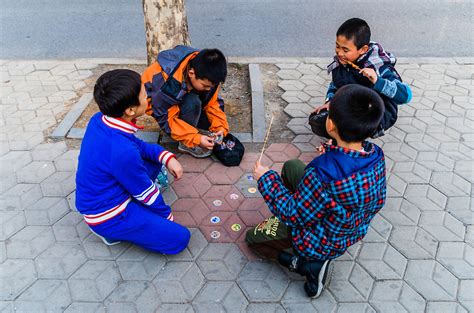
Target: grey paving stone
426, 198
398, 211
431, 280
288, 74
29, 242
139, 264
60, 260
140, 295
178, 282
10, 223
291, 85
68, 228
382, 261
265, 307
81, 307
379, 230
263, 282
15, 161
97, 250
396, 296
48, 151
15, 276
44, 296
458, 258
6, 306
46, 211
413, 242
24, 140
59, 184
71, 117
440, 307
220, 297
196, 245
94, 281
221, 261
443, 226
67, 162
21, 196
176, 308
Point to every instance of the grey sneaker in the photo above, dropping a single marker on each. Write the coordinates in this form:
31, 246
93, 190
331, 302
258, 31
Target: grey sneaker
196, 152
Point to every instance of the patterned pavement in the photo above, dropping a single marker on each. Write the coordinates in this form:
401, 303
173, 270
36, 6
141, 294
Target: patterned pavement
417, 257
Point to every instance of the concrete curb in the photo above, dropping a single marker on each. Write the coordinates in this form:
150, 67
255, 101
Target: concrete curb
258, 104
71, 117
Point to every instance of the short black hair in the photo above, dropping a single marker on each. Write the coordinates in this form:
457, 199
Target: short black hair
357, 30
210, 64
117, 90
356, 111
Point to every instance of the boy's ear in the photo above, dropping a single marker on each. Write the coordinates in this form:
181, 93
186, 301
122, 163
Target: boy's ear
364, 49
130, 111
191, 73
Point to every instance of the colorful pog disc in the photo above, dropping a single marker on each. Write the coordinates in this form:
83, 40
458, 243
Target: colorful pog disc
236, 227
215, 219
234, 196
215, 234
252, 190
217, 202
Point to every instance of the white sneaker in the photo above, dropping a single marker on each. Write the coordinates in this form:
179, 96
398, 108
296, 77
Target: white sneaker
107, 241
196, 152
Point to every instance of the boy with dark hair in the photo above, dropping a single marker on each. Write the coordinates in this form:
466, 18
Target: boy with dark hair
323, 208
115, 180
183, 89
361, 61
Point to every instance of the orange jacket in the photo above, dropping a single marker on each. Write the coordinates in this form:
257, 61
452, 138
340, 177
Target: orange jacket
165, 87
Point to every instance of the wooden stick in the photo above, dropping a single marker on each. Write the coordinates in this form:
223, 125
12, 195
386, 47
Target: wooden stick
266, 138
353, 65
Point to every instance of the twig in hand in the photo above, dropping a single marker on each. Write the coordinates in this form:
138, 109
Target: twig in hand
266, 138
353, 65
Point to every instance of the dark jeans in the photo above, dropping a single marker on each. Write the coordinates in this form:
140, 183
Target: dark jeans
192, 112
271, 236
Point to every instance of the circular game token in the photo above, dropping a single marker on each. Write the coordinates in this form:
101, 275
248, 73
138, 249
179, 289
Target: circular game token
234, 196
217, 202
236, 227
215, 234
252, 190
215, 219
249, 177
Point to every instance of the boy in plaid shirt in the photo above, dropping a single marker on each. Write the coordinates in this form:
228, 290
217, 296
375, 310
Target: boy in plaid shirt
323, 208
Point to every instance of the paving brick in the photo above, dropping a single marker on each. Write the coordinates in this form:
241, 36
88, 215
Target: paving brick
60, 260
291, 85
413, 242
431, 280
94, 281
59, 184
220, 297
96, 249
382, 261
192, 165
80, 307
458, 258
399, 211
262, 282
289, 74
178, 282
16, 275
396, 296
350, 282
139, 296
10, 223
265, 307
221, 262
439, 307
443, 226
48, 151
219, 174
461, 208
139, 264
196, 245
44, 295
46, 211
68, 228
192, 185
29, 242
426, 198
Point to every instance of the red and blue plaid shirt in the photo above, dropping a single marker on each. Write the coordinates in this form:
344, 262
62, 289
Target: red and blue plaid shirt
328, 215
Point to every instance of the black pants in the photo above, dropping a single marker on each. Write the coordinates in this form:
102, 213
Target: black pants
192, 112
271, 236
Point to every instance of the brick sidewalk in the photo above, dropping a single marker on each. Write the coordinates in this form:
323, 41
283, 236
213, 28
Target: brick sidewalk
418, 255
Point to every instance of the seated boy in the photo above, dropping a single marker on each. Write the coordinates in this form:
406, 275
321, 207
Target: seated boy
183, 88
375, 69
325, 207
115, 188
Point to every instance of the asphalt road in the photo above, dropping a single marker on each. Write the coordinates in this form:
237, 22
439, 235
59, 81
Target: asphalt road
65, 29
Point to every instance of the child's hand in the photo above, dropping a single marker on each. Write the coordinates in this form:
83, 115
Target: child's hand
322, 107
322, 149
219, 136
175, 168
206, 142
370, 74
259, 170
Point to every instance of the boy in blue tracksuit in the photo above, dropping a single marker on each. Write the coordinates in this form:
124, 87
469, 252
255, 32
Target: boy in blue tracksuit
361, 61
323, 208
115, 180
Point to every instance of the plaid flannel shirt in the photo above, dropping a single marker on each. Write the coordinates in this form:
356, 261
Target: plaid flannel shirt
326, 218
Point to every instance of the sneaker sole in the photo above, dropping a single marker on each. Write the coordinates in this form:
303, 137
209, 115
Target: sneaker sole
108, 243
194, 155
326, 276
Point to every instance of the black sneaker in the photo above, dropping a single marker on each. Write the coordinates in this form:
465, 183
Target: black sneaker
289, 261
317, 277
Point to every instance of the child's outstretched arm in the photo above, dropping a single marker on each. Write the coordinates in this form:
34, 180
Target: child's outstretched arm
388, 84
302, 208
331, 92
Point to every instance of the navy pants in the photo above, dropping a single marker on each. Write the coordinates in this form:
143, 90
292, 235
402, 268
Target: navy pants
192, 112
146, 228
